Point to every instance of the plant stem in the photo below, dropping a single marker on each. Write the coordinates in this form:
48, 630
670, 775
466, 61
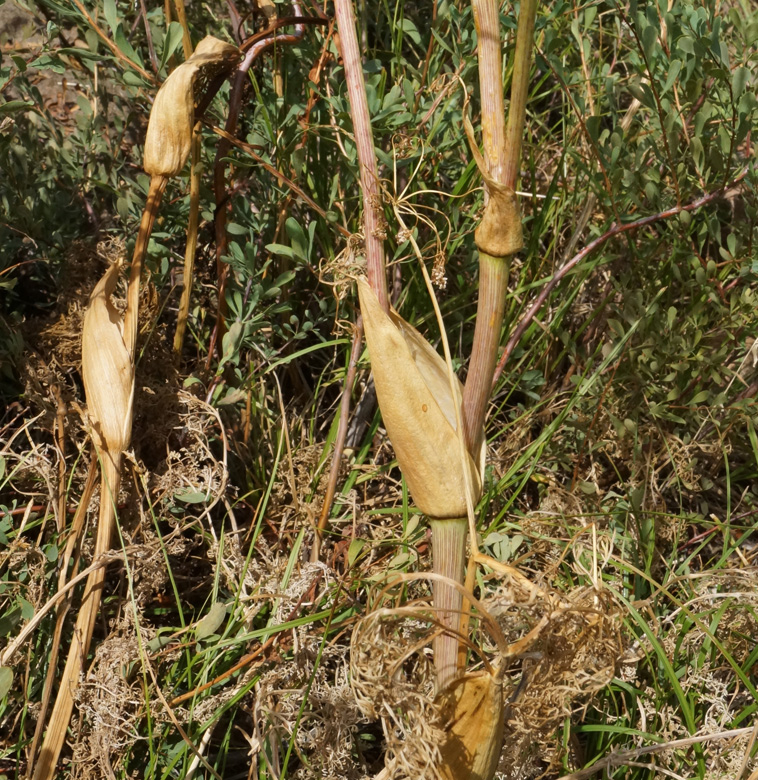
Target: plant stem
191, 247
364, 141
449, 554
85, 623
339, 443
502, 155
493, 283
154, 195
194, 203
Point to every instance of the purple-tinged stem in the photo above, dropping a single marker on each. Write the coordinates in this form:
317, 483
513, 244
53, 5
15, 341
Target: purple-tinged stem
364, 140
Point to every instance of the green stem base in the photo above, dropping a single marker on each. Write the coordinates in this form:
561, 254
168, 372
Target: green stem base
449, 555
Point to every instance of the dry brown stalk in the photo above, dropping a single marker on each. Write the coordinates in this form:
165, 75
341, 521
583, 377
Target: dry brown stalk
373, 219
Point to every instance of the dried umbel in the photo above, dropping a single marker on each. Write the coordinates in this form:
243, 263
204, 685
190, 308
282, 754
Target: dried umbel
107, 369
418, 409
169, 131
473, 714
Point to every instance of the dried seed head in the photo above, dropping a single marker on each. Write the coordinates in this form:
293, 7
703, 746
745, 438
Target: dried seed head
107, 369
473, 712
418, 409
169, 131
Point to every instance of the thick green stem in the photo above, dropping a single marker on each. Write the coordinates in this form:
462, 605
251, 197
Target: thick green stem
364, 141
493, 284
502, 155
449, 554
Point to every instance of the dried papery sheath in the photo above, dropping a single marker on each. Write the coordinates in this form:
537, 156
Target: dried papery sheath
473, 715
418, 409
107, 369
169, 131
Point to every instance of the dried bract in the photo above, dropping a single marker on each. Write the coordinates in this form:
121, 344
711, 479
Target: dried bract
107, 369
473, 714
418, 409
169, 131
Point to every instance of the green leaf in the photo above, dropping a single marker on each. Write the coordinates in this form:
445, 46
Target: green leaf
109, 11
354, 550
739, 79
298, 238
410, 29
6, 680
14, 106
27, 609
191, 497
674, 68
211, 622
281, 249
171, 42
649, 40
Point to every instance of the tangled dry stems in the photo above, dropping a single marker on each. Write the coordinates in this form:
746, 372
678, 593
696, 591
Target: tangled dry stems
574, 653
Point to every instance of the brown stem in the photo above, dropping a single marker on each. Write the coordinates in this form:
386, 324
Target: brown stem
191, 247
487, 21
339, 443
73, 541
154, 195
85, 624
373, 219
256, 48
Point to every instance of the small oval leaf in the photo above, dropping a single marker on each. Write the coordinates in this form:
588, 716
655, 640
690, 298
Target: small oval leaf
210, 623
6, 680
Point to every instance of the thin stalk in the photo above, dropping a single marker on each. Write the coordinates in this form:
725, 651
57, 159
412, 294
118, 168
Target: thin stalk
154, 195
502, 155
62, 608
85, 624
449, 560
191, 247
257, 46
373, 219
339, 443
194, 204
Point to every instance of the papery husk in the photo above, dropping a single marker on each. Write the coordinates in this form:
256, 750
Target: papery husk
499, 234
107, 369
418, 409
473, 716
169, 131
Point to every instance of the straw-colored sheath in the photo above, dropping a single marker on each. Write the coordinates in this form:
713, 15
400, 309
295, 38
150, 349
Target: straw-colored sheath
418, 410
